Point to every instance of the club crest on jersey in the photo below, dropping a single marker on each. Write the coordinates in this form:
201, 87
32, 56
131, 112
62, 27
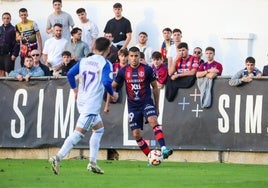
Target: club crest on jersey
141, 73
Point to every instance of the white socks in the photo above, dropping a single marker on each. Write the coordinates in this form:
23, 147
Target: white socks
75, 137
94, 144
69, 143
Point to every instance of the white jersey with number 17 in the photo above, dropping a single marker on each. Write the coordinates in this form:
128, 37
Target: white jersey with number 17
95, 74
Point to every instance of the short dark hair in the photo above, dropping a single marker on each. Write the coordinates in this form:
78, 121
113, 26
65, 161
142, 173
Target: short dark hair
23, 10
167, 29
123, 51
134, 49
80, 10
210, 49
183, 45
143, 33
176, 30
6, 13
102, 44
54, 1
66, 53
156, 55
58, 24
250, 60
117, 5
28, 57
75, 30
142, 55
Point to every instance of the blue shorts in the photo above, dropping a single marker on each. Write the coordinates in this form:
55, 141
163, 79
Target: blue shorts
137, 115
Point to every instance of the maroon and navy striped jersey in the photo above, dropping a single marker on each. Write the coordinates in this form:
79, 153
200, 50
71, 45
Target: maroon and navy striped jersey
138, 81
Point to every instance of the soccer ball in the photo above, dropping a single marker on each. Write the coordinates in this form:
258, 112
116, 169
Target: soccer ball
155, 157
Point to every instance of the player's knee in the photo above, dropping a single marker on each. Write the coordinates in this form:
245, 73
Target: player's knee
98, 126
137, 135
152, 121
81, 130
76, 137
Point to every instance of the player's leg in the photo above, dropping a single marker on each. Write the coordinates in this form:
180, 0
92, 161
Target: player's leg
135, 119
67, 146
140, 141
151, 115
83, 124
94, 145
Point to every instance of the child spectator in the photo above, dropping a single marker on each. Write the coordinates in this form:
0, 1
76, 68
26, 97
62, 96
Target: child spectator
67, 64
123, 60
142, 58
245, 75
159, 69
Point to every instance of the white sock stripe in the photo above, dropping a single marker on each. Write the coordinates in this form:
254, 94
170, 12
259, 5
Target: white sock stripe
100, 130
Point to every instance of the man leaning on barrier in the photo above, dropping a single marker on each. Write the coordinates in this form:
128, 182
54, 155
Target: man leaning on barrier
27, 71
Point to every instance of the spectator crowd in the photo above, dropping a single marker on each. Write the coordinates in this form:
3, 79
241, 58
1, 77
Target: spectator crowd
173, 63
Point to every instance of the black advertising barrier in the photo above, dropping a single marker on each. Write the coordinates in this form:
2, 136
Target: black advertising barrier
42, 113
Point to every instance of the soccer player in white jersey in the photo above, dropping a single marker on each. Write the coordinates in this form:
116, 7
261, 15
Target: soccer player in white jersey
95, 75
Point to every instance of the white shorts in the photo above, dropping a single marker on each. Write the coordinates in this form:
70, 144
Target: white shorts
86, 121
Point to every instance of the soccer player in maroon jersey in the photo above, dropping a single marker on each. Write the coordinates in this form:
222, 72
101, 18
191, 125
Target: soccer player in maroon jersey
138, 79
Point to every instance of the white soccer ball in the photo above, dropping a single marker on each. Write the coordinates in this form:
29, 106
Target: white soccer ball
155, 157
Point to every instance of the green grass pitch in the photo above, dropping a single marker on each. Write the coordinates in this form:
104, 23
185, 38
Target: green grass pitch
131, 174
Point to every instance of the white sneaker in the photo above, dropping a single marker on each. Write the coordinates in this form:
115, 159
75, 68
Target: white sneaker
55, 164
95, 169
